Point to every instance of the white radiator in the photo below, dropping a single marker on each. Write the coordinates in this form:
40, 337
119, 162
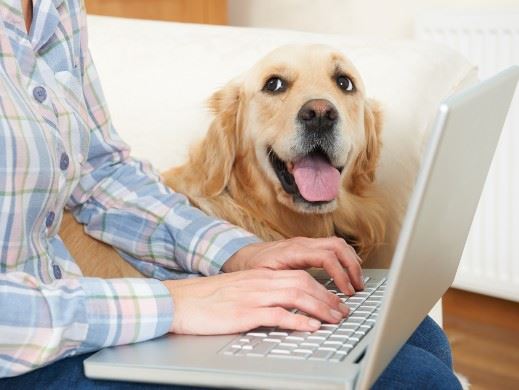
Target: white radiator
490, 263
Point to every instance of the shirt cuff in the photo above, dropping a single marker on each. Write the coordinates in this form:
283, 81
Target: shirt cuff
211, 245
124, 311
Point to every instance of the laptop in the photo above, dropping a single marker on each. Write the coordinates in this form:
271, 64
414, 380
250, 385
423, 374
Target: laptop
353, 353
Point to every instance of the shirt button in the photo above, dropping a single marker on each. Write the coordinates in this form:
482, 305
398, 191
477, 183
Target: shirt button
50, 219
57, 271
39, 93
64, 161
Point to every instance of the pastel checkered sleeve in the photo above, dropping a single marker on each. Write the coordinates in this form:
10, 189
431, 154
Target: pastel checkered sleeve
42, 323
122, 202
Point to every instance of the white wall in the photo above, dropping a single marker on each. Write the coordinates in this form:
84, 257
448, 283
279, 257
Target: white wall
386, 18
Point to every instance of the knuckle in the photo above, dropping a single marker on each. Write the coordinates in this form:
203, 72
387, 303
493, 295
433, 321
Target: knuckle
340, 240
298, 241
295, 294
313, 306
278, 314
263, 273
308, 281
300, 321
301, 275
329, 260
304, 280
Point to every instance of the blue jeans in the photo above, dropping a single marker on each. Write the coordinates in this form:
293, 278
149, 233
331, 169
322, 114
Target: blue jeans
424, 362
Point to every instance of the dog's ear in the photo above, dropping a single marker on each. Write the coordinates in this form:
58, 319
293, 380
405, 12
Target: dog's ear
215, 155
365, 164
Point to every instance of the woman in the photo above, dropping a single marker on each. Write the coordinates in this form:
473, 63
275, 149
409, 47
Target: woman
58, 149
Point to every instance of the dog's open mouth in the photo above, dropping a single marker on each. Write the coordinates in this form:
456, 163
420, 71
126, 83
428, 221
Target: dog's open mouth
311, 178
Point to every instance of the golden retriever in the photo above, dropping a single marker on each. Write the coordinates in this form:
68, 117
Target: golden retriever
292, 151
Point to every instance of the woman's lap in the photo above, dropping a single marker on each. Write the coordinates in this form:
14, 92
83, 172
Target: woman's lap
423, 362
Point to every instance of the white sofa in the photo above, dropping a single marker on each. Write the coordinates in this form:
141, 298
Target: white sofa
157, 76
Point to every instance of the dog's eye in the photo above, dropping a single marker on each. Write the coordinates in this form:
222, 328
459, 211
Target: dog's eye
275, 84
344, 83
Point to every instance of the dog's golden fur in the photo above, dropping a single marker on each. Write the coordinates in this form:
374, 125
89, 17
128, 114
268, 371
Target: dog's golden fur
228, 174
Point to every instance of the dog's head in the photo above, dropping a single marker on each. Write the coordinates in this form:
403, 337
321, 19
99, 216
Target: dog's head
302, 114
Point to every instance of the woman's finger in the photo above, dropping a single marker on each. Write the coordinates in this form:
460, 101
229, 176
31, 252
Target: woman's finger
282, 318
294, 298
345, 254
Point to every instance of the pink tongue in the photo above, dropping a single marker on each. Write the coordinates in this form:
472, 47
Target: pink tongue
316, 179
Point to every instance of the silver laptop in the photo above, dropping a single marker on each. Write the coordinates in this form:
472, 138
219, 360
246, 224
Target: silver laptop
353, 353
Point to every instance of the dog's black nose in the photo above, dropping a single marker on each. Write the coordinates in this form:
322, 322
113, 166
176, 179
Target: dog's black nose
318, 115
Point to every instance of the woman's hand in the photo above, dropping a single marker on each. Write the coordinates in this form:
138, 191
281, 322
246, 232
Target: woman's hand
243, 300
333, 254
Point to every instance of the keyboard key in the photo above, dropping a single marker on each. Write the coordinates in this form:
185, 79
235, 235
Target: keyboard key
339, 337
309, 346
283, 334
321, 354
280, 351
328, 348
323, 332
337, 357
300, 334
261, 349
330, 327
345, 349
316, 337
354, 319
281, 356
257, 334
287, 345
301, 353
332, 343
295, 338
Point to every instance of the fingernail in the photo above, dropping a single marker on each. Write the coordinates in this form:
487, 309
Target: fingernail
314, 323
335, 314
344, 308
351, 288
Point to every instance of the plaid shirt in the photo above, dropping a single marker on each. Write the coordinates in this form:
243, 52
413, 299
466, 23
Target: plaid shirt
58, 149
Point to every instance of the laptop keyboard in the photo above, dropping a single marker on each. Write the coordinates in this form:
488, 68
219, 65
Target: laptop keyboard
332, 342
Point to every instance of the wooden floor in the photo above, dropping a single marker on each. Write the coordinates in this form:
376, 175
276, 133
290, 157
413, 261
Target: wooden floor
484, 335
